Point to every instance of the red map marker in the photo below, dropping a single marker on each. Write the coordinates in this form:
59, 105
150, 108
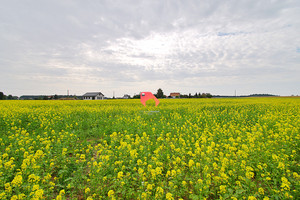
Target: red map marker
145, 96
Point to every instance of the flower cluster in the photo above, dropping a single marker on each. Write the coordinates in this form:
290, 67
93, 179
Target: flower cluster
188, 149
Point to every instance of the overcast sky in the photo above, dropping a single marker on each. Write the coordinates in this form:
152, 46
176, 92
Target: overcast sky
129, 46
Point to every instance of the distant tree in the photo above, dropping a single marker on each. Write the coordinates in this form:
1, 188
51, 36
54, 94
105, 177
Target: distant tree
190, 95
208, 95
184, 96
160, 93
261, 95
136, 96
10, 97
2, 96
55, 96
45, 98
203, 95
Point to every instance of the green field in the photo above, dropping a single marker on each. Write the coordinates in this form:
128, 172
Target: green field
239, 148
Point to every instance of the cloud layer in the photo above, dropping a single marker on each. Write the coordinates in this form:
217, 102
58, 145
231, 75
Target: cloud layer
50, 47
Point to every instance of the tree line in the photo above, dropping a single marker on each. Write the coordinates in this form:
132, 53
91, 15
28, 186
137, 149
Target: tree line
9, 97
160, 94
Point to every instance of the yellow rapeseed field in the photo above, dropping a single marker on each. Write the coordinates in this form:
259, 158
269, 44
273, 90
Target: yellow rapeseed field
118, 149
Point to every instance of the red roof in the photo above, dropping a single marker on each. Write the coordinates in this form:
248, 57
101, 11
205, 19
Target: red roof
175, 94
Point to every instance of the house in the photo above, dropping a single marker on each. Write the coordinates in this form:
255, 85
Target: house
126, 96
175, 95
93, 96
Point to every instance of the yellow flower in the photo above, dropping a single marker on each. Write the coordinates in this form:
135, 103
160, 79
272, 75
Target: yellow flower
261, 190
295, 175
33, 178
149, 187
17, 181
222, 188
169, 196
251, 198
200, 181
140, 171
7, 187
35, 187
14, 197
38, 154
139, 162
249, 174
87, 190
110, 193
62, 192
39, 193
144, 195
2, 195
120, 175
191, 163
285, 185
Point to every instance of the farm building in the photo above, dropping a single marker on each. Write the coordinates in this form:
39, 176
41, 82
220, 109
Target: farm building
175, 95
93, 96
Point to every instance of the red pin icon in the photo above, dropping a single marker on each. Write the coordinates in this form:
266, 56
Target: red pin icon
145, 96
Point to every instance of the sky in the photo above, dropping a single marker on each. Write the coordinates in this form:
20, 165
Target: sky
128, 46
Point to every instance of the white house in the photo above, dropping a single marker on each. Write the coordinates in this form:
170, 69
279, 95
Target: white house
126, 96
93, 96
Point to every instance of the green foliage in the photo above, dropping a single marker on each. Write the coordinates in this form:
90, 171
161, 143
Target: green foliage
2, 96
160, 93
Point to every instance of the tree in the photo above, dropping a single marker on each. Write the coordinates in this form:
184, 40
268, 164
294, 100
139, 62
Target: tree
209, 95
160, 93
55, 96
2, 97
136, 96
184, 96
10, 97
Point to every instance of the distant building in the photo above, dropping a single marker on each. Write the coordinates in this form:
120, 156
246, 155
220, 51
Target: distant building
126, 96
175, 95
93, 96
